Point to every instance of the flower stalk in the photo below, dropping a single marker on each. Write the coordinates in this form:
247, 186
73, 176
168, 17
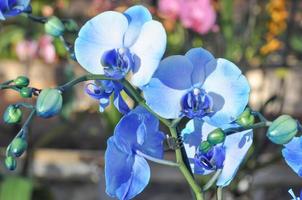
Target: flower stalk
133, 93
156, 160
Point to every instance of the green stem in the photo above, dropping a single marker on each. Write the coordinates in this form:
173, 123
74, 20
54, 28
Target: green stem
87, 77
231, 131
260, 116
41, 20
212, 180
185, 171
219, 195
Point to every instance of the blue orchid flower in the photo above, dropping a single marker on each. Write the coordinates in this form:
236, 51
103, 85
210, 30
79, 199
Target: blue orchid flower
127, 172
226, 157
292, 153
198, 86
114, 44
9, 8
291, 192
102, 90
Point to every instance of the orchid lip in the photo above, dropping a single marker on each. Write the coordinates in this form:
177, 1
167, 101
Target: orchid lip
197, 103
117, 62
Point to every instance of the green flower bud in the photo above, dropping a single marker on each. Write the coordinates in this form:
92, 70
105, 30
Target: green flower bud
12, 115
71, 25
54, 26
10, 163
246, 118
205, 146
21, 81
215, 137
282, 130
18, 147
26, 92
49, 103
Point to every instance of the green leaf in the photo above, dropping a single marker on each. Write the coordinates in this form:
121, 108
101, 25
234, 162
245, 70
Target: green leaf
296, 43
16, 188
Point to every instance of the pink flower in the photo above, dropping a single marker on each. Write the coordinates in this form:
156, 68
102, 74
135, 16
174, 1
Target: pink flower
26, 50
46, 49
198, 15
170, 8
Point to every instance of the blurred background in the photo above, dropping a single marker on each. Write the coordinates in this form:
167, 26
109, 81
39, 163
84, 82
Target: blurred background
65, 155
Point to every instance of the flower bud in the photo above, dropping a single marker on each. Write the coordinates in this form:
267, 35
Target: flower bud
49, 103
18, 147
246, 118
12, 115
10, 163
21, 81
205, 146
54, 26
215, 137
282, 130
26, 92
71, 25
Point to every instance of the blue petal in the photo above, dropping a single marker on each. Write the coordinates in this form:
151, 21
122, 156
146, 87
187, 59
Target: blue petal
4, 5
149, 48
229, 90
193, 134
140, 177
120, 103
100, 34
138, 130
137, 17
234, 154
162, 99
126, 174
175, 72
22, 3
199, 57
118, 168
2, 16
292, 154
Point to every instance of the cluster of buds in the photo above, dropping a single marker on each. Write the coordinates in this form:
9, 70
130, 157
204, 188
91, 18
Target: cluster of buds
56, 27
215, 137
48, 104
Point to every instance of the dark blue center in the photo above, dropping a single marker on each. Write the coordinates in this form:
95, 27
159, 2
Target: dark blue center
118, 62
196, 103
211, 160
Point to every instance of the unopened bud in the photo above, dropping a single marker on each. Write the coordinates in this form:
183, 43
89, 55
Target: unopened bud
12, 115
49, 103
217, 136
54, 26
282, 130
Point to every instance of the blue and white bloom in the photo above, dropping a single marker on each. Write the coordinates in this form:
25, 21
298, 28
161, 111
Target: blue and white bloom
292, 153
10, 8
226, 157
199, 86
114, 44
127, 173
291, 192
102, 90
